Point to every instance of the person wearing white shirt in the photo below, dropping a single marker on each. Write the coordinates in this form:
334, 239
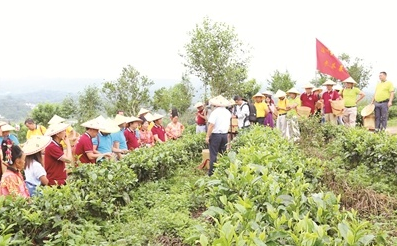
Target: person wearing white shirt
242, 112
219, 123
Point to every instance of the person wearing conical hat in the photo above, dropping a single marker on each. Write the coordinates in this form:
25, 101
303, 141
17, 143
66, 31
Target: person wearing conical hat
308, 98
5, 134
292, 131
383, 98
327, 97
55, 158
261, 108
84, 149
34, 129
201, 118
129, 133
282, 108
35, 174
142, 113
119, 141
70, 132
103, 142
12, 182
147, 139
242, 112
158, 130
218, 127
352, 96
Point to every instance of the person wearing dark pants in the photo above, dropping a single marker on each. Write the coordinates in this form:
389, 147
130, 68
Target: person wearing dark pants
384, 94
218, 127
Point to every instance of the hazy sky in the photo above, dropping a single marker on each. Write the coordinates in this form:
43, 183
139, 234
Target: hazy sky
96, 39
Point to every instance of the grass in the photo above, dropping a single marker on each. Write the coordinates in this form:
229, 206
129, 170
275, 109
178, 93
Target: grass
392, 122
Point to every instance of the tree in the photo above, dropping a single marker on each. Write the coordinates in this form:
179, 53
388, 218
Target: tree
179, 96
216, 56
248, 88
90, 104
357, 70
128, 93
280, 81
43, 112
68, 107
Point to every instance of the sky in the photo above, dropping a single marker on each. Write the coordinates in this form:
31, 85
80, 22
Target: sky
94, 40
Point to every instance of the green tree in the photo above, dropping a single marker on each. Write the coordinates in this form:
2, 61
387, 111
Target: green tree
43, 112
128, 93
248, 88
90, 104
359, 71
216, 56
280, 81
320, 79
68, 107
179, 96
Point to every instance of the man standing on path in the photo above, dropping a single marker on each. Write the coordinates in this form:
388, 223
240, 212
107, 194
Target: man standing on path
350, 93
384, 94
218, 127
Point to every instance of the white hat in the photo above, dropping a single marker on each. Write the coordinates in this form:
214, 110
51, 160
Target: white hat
338, 87
7, 127
157, 116
329, 82
143, 111
56, 128
318, 89
35, 144
308, 85
2, 123
293, 90
269, 93
349, 80
101, 119
120, 119
148, 117
219, 101
93, 124
199, 104
56, 119
132, 119
279, 94
110, 126
258, 95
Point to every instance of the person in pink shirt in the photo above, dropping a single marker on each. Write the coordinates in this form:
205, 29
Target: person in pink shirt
147, 139
175, 128
12, 182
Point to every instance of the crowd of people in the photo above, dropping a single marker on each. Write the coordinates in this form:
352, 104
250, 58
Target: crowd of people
43, 158
335, 105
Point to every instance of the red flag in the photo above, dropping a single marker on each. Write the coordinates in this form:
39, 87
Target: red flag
328, 63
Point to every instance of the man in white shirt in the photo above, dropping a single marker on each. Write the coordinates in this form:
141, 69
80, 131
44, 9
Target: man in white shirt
218, 127
242, 112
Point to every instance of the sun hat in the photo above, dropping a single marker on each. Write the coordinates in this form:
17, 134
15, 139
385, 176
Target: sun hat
329, 82
132, 119
93, 124
157, 117
148, 117
318, 89
349, 80
56, 128
367, 110
35, 144
143, 111
56, 119
7, 128
258, 95
269, 93
120, 119
338, 88
2, 123
199, 104
101, 119
232, 102
279, 94
308, 85
219, 101
110, 126
293, 90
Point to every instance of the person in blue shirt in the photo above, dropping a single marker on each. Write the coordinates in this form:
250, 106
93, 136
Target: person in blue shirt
5, 134
118, 138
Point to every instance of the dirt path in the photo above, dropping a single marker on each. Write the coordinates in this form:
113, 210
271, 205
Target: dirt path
392, 129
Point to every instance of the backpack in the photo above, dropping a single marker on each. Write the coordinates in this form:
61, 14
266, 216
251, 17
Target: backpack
252, 115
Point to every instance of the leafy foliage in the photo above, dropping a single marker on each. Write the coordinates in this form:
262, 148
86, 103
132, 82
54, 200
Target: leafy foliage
43, 112
280, 81
359, 71
128, 93
90, 104
216, 56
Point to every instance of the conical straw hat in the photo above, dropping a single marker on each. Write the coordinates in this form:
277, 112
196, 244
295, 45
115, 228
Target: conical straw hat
149, 117
120, 119
199, 104
268, 93
56, 128
56, 119
7, 127
2, 123
93, 124
308, 85
318, 89
367, 110
35, 144
338, 88
279, 94
293, 90
110, 126
258, 95
143, 111
329, 82
349, 80
157, 116
132, 119
219, 101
